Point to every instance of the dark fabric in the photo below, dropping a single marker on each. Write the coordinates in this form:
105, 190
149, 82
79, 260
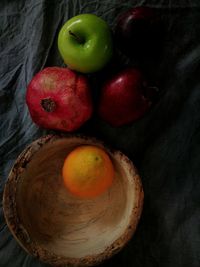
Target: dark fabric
164, 145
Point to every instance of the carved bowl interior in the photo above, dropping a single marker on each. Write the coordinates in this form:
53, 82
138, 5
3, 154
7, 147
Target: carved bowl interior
59, 228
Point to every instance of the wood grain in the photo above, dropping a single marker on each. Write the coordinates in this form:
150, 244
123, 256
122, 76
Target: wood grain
59, 228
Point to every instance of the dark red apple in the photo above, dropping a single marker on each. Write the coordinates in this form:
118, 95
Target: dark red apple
138, 32
59, 98
124, 98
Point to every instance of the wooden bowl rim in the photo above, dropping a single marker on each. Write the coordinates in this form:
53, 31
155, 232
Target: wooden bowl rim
20, 233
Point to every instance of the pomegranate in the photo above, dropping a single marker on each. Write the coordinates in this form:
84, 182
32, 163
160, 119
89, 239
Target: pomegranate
59, 98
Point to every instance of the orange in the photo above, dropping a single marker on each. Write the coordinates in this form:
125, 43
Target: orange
88, 171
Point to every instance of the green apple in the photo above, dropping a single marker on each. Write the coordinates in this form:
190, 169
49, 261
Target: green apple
85, 43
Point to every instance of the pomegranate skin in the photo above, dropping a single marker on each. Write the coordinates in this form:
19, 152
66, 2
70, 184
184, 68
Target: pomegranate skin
123, 98
59, 98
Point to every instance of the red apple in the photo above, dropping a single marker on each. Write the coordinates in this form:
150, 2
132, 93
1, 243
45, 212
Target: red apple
59, 98
123, 98
138, 32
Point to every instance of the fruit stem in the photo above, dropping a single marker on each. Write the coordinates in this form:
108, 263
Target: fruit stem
77, 38
154, 88
48, 104
151, 93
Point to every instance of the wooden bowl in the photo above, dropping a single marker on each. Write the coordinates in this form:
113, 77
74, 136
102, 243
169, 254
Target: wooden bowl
59, 228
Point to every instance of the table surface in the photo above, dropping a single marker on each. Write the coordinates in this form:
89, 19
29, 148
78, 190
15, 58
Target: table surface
164, 144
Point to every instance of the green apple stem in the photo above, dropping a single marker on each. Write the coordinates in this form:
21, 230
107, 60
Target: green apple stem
48, 104
77, 38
